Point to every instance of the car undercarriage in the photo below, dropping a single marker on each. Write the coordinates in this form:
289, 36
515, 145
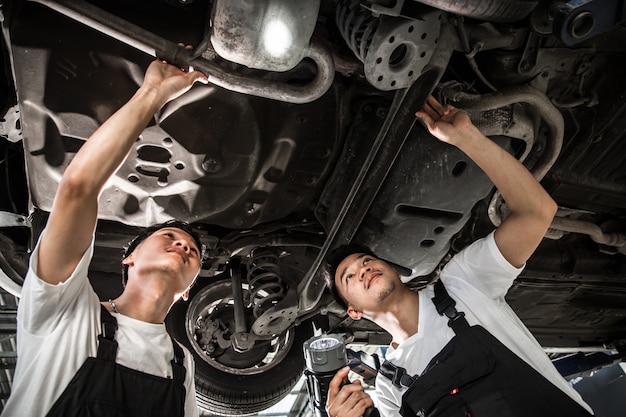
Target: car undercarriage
306, 139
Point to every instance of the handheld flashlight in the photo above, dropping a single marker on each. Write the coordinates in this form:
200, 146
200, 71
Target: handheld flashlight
324, 356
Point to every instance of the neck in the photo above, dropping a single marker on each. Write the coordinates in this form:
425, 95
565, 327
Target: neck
145, 303
400, 318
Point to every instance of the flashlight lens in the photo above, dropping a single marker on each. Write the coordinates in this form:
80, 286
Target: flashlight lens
324, 343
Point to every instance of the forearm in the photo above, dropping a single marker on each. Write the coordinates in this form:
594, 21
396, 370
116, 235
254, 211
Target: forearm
521, 191
532, 208
103, 153
75, 210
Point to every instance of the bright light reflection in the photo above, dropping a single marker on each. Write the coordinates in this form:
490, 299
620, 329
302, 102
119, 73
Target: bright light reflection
277, 38
324, 343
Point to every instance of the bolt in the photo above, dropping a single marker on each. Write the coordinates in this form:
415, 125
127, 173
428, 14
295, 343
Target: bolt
211, 165
324, 153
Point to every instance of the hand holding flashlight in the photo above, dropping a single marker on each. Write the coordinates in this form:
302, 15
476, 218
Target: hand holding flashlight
327, 378
347, 399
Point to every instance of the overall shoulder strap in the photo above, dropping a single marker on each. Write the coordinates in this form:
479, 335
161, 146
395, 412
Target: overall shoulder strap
178, 364
445, 305
397, 374
107, 345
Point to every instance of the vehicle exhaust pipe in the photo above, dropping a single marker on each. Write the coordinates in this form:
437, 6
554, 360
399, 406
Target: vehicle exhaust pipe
160, 48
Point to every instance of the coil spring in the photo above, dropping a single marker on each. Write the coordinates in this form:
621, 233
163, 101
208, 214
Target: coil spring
266, 285
357, 26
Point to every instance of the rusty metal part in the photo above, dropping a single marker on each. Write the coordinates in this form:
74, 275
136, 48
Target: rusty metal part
156, 46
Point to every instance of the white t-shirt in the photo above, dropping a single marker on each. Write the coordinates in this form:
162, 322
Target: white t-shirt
477, 278
58, 326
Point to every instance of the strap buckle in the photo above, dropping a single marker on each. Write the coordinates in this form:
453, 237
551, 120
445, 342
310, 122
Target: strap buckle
108, 330
452, 320
397, 374
401, 378
108, 324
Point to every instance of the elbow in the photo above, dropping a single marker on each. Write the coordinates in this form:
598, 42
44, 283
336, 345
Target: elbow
553, 208
75, 187
548, 209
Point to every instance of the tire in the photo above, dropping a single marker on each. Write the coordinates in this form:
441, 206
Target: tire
231, 390
489, 10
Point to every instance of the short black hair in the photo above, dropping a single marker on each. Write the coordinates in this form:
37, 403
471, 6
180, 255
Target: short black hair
132, 245
333, 259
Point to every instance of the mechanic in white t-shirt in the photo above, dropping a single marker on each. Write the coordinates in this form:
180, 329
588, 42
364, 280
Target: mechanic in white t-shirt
139, 369
477, 278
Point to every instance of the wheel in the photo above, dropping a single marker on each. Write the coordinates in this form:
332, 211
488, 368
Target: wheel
229, 382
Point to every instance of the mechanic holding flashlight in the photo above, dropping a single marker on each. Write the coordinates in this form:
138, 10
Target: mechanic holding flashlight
77, 356
477, 279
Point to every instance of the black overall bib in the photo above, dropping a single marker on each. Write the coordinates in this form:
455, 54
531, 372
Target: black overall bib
475, 375
101, 387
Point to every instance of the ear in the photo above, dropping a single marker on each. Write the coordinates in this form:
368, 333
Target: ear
129, 260
354, 314
185, 295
